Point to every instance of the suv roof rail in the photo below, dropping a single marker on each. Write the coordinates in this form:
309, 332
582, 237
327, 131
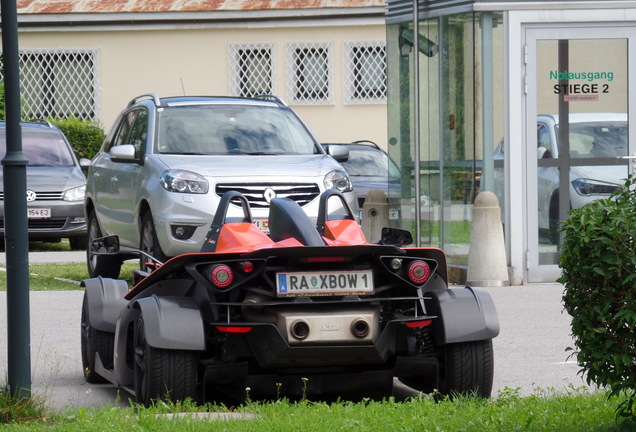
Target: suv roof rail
152, 96
367, 142
43, 121
270, 97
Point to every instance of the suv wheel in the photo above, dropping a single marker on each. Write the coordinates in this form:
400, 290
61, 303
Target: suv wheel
78, 243
149, 243
107, 266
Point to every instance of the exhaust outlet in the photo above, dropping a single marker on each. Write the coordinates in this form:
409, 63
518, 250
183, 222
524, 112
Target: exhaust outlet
360, 328
299, 329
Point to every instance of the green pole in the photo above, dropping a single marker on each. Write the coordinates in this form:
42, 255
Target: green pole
15, 211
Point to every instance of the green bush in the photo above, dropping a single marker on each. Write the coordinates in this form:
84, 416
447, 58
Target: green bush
598, 262
85, 136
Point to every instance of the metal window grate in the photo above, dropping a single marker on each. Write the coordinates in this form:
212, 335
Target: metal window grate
365, 72
252, 69
59, 83
310, 72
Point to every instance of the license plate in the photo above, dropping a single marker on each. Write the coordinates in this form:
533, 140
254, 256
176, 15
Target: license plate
39, 213
330, 283
262, 224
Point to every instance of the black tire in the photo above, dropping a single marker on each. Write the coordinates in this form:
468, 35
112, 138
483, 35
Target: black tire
149, 243
78, 243
467, 368
107, 266
161, 374
94, 342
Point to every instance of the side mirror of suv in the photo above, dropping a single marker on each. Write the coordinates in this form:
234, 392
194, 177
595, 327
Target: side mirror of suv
124, 152
339, 153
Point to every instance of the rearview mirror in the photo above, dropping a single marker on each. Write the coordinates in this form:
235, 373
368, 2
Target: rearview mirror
396, 237
105, 245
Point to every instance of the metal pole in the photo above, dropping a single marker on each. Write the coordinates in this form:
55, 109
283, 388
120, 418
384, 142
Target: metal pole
487, 176
416, 121
15, 219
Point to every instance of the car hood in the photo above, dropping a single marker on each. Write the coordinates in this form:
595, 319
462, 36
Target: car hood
51, 179
608, 173
279, 166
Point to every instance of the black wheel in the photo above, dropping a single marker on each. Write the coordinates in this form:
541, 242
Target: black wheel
467, 368
162, 374
149, 243
94, 342
78, 243
107, 266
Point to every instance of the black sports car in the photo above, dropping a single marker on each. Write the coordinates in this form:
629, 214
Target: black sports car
305, 310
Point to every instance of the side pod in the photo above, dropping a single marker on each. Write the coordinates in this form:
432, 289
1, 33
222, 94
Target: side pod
465, 315
105, 301
172, 323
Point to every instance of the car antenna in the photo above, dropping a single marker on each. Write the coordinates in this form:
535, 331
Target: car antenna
182, 86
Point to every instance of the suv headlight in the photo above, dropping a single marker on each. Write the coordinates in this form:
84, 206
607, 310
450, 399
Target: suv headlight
338, 179
593, 187
75, 194
184, 182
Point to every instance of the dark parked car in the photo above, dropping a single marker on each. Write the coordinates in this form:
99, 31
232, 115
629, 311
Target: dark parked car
55, 185
369, 167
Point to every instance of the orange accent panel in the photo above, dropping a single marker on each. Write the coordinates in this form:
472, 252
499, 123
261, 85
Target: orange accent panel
343, 232
242, 237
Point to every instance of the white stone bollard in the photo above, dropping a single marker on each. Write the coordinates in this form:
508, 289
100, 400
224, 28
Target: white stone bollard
375, 215
487, 264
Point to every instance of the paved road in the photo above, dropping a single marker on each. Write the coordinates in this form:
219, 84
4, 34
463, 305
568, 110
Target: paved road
529, 353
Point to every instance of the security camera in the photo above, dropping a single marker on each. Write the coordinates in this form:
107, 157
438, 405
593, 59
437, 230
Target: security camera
424, 44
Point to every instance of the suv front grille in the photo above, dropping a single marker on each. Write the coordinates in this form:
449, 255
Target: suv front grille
43, 196
48, 224
302, 193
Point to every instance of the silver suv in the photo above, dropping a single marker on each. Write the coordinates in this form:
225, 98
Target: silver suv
159, 176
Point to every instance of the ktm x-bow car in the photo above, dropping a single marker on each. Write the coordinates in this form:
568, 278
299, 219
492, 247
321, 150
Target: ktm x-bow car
310, 309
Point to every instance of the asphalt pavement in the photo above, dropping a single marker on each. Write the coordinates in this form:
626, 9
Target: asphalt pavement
530, 352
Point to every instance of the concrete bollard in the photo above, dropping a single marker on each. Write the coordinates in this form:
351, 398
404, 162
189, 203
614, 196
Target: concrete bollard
375, 215
487, 264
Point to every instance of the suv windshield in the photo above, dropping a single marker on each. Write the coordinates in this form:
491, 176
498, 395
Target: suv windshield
41, 149
232, 129
598, 139
370, 163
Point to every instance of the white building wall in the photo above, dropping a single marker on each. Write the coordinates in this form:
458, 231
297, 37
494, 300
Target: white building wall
174, 60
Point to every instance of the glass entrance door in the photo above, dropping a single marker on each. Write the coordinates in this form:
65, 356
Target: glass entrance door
577, 134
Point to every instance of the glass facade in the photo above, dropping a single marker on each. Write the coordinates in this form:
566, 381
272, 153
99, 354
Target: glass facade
460, 117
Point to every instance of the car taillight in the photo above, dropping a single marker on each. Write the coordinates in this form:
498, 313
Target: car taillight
418, 324
247, 267
419, 272
221, 276
234, 329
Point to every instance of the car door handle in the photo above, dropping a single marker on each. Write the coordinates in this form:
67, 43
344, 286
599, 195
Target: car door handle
114, 179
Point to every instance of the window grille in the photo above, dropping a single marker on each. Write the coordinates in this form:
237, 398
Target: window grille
59, 83
365, 72
310, 73
252, 69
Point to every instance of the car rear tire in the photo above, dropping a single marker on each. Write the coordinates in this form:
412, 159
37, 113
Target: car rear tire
149, 243
107, 266
467, 369
94, 342
78, 243
162, 374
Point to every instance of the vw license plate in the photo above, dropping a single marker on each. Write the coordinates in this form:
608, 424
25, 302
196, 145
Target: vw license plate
330, 283
39, 213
